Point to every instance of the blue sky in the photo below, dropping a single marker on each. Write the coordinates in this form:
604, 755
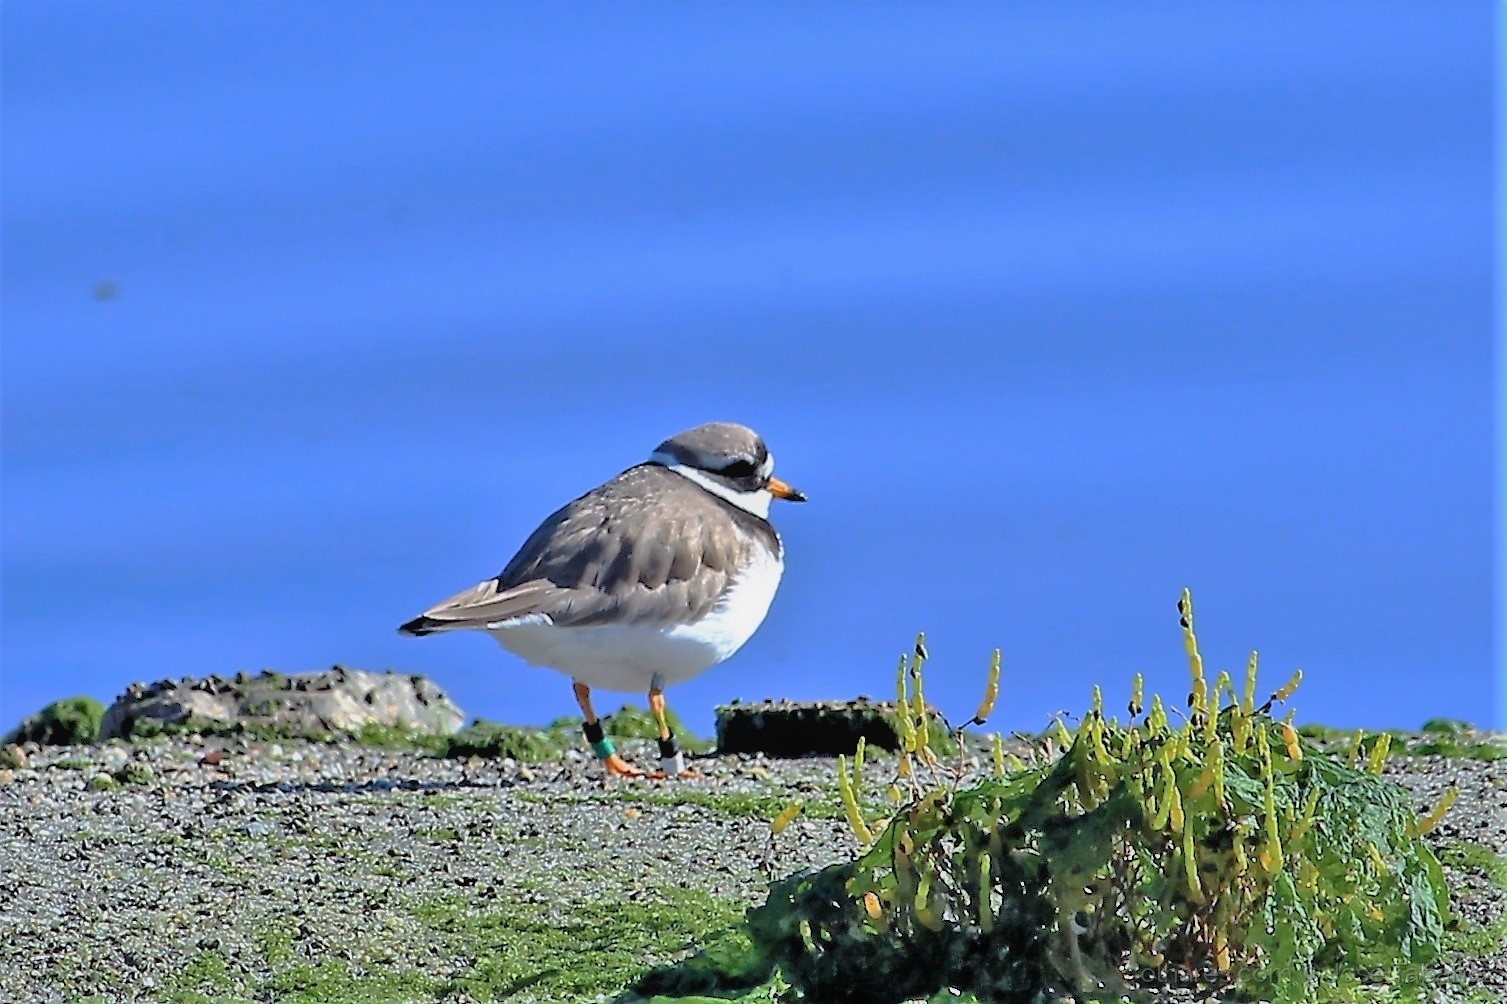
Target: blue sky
312, 312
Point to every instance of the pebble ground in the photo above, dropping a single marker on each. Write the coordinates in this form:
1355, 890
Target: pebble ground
108, 887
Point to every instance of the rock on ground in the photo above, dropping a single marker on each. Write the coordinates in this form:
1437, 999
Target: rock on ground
306, 704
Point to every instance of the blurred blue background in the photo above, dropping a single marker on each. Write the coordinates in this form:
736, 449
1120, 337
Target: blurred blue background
313, 310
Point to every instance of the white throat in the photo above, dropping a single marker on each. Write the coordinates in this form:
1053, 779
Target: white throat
752, 502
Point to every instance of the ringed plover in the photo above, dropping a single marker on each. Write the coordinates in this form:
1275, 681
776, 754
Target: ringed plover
645, 581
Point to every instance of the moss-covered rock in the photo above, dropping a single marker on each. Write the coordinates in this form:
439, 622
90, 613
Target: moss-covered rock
1448, 726
629, 722
494, 740
103, 782
72, 721
532, 744
135, 772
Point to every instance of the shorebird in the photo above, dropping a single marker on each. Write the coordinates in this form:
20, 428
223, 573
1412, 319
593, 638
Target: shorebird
647, 580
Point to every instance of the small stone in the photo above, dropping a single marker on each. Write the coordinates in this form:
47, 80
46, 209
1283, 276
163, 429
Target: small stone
135, 772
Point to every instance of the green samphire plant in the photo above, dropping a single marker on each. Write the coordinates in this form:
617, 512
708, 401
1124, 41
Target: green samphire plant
1219, 848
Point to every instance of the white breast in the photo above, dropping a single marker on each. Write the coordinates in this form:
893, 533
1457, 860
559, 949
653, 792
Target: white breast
627, 657
742, 608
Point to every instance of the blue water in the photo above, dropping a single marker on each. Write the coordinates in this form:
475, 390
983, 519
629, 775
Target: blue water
1052, 310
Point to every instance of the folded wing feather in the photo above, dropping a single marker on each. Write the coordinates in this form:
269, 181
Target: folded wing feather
589, 564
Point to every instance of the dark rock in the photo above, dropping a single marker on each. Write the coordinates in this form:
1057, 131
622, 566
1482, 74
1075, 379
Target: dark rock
827, 728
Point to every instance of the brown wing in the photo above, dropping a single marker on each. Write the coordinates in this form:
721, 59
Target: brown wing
646, 547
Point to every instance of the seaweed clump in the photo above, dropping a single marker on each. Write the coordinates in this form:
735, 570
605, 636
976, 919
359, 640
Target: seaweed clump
1222, 850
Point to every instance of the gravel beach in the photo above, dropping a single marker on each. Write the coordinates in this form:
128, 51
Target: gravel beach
228, 869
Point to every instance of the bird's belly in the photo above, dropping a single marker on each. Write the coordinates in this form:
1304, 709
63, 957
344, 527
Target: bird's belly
611, 656
627, 657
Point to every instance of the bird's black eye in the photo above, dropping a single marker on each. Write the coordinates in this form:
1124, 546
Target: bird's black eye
739, 470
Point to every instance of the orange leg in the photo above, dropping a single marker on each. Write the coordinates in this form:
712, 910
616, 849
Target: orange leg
657, 705
614, 765
670, 760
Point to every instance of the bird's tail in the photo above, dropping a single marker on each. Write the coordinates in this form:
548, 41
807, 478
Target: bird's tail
424, 624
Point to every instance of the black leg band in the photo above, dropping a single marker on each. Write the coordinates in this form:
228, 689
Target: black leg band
593, 731
671, 763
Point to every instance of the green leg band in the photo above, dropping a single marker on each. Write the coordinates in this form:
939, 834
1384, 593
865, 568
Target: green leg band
603, 747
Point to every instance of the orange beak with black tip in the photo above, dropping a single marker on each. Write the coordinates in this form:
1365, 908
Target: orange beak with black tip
781, 490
